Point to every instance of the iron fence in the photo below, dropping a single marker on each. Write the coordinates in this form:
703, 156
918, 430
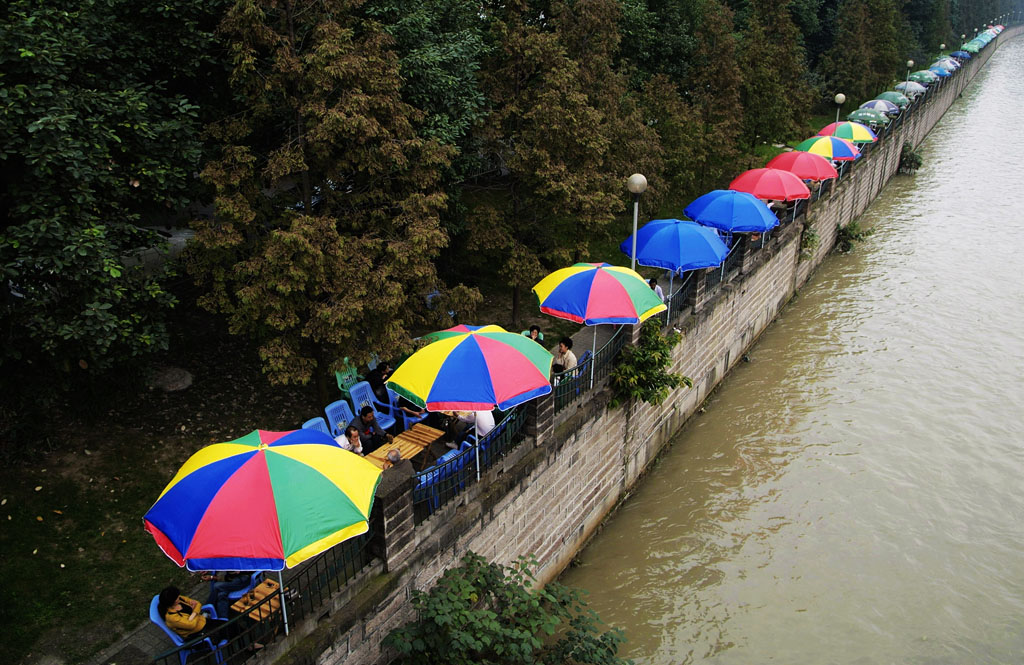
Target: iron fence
306, 589
572, 384
457, 470
679, 295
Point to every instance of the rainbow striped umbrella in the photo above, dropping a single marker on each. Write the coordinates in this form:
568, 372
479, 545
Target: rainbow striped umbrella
854, 132
264, 501
596, 293
830, 147
474, 368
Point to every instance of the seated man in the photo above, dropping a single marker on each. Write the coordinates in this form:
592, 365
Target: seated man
350, 440
221, 587
371, 435
184, 615
565, 359
377, 378
482, 420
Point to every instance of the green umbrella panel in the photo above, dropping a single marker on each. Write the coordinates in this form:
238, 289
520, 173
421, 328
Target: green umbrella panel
897, 98
869, 117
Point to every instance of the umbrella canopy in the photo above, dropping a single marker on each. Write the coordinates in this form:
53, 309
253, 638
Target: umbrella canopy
264, 501
897, 98
882, 105
961, 54
854, 132
732, 211
910, 88
972, 47
924, 77
869, 117
771, 184
595, 293
804, 165
678, 245
830, 147
941, 72
947, 63
474, 368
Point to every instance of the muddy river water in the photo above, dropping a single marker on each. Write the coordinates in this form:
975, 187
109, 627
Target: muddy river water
855, 493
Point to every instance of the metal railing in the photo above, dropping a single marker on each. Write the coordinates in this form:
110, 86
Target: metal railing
442, 482
307, 588
571, 385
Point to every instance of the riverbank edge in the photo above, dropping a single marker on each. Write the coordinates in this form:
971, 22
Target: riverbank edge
551, 494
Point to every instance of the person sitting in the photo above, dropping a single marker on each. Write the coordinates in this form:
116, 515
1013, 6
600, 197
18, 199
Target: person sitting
656, 288
535, 334
184, 615
350, 440
394, 457
409, 408
565, 359
376, 378
371, 435
482, 420
221, 587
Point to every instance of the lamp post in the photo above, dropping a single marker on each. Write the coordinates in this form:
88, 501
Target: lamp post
962, 42
637, 185
906, 84
839, 99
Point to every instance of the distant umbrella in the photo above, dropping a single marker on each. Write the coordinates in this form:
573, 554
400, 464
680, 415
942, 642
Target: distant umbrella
882, 105
869, 117
853, 132
897, 98
804, 165
732, 211
939, 71
961, 54
830, 147
771, 184
924, 77
910, 88
678, 245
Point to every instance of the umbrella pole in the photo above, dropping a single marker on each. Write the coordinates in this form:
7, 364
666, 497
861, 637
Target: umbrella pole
593, 357
284, 609
476, 453
668, 315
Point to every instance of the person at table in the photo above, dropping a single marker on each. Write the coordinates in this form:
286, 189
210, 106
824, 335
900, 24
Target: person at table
653, 283
565, 359
534, 334
376, 378
184, 615
350, 440
371, 435
224, 584
482, 420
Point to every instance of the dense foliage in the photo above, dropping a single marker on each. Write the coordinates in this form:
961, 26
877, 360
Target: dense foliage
642, 372
363, 154
484, 613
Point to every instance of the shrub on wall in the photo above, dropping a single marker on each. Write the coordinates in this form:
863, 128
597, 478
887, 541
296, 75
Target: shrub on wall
484, 612
642, 372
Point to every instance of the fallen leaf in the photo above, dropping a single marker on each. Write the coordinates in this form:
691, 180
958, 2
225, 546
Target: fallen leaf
3, 503
39, 488
59, 512
35, 551
39, 518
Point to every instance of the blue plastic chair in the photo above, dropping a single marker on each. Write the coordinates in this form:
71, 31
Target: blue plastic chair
339, 415
254, 581
179, 641
407, 420
319, 424
362, 395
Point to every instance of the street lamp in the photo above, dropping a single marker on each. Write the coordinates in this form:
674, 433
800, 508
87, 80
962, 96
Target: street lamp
637, 185
839, 99
910, 63
962, 42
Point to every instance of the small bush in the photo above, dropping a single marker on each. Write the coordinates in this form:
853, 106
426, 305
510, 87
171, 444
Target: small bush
910, 160
847, 235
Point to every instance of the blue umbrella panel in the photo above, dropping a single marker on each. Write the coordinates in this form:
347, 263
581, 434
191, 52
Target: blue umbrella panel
732, 212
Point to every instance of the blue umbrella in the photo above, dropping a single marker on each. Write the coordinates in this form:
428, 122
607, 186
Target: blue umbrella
940, 71
961, 54
676, 245
881, 105
732, 211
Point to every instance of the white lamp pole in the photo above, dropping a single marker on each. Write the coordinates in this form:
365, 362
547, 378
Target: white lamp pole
637, 185
910, 63
839, 99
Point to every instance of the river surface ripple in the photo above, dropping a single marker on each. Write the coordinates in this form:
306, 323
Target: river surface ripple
854, 494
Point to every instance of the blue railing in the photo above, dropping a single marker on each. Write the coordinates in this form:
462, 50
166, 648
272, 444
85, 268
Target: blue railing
458, 469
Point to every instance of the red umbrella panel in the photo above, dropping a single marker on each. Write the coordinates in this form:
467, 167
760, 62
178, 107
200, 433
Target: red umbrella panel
804, 165
771, 184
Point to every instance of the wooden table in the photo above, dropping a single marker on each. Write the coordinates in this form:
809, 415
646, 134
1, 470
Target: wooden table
409, 443
259, 592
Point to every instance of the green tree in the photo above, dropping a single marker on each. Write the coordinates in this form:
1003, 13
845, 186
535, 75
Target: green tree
866, 54
775, 92
99, 137
487, 614
327, 201
544, 141
642, 371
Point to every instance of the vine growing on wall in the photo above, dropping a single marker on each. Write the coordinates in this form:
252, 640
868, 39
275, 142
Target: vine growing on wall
847, 236
642, 372
809, 241
910, 159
